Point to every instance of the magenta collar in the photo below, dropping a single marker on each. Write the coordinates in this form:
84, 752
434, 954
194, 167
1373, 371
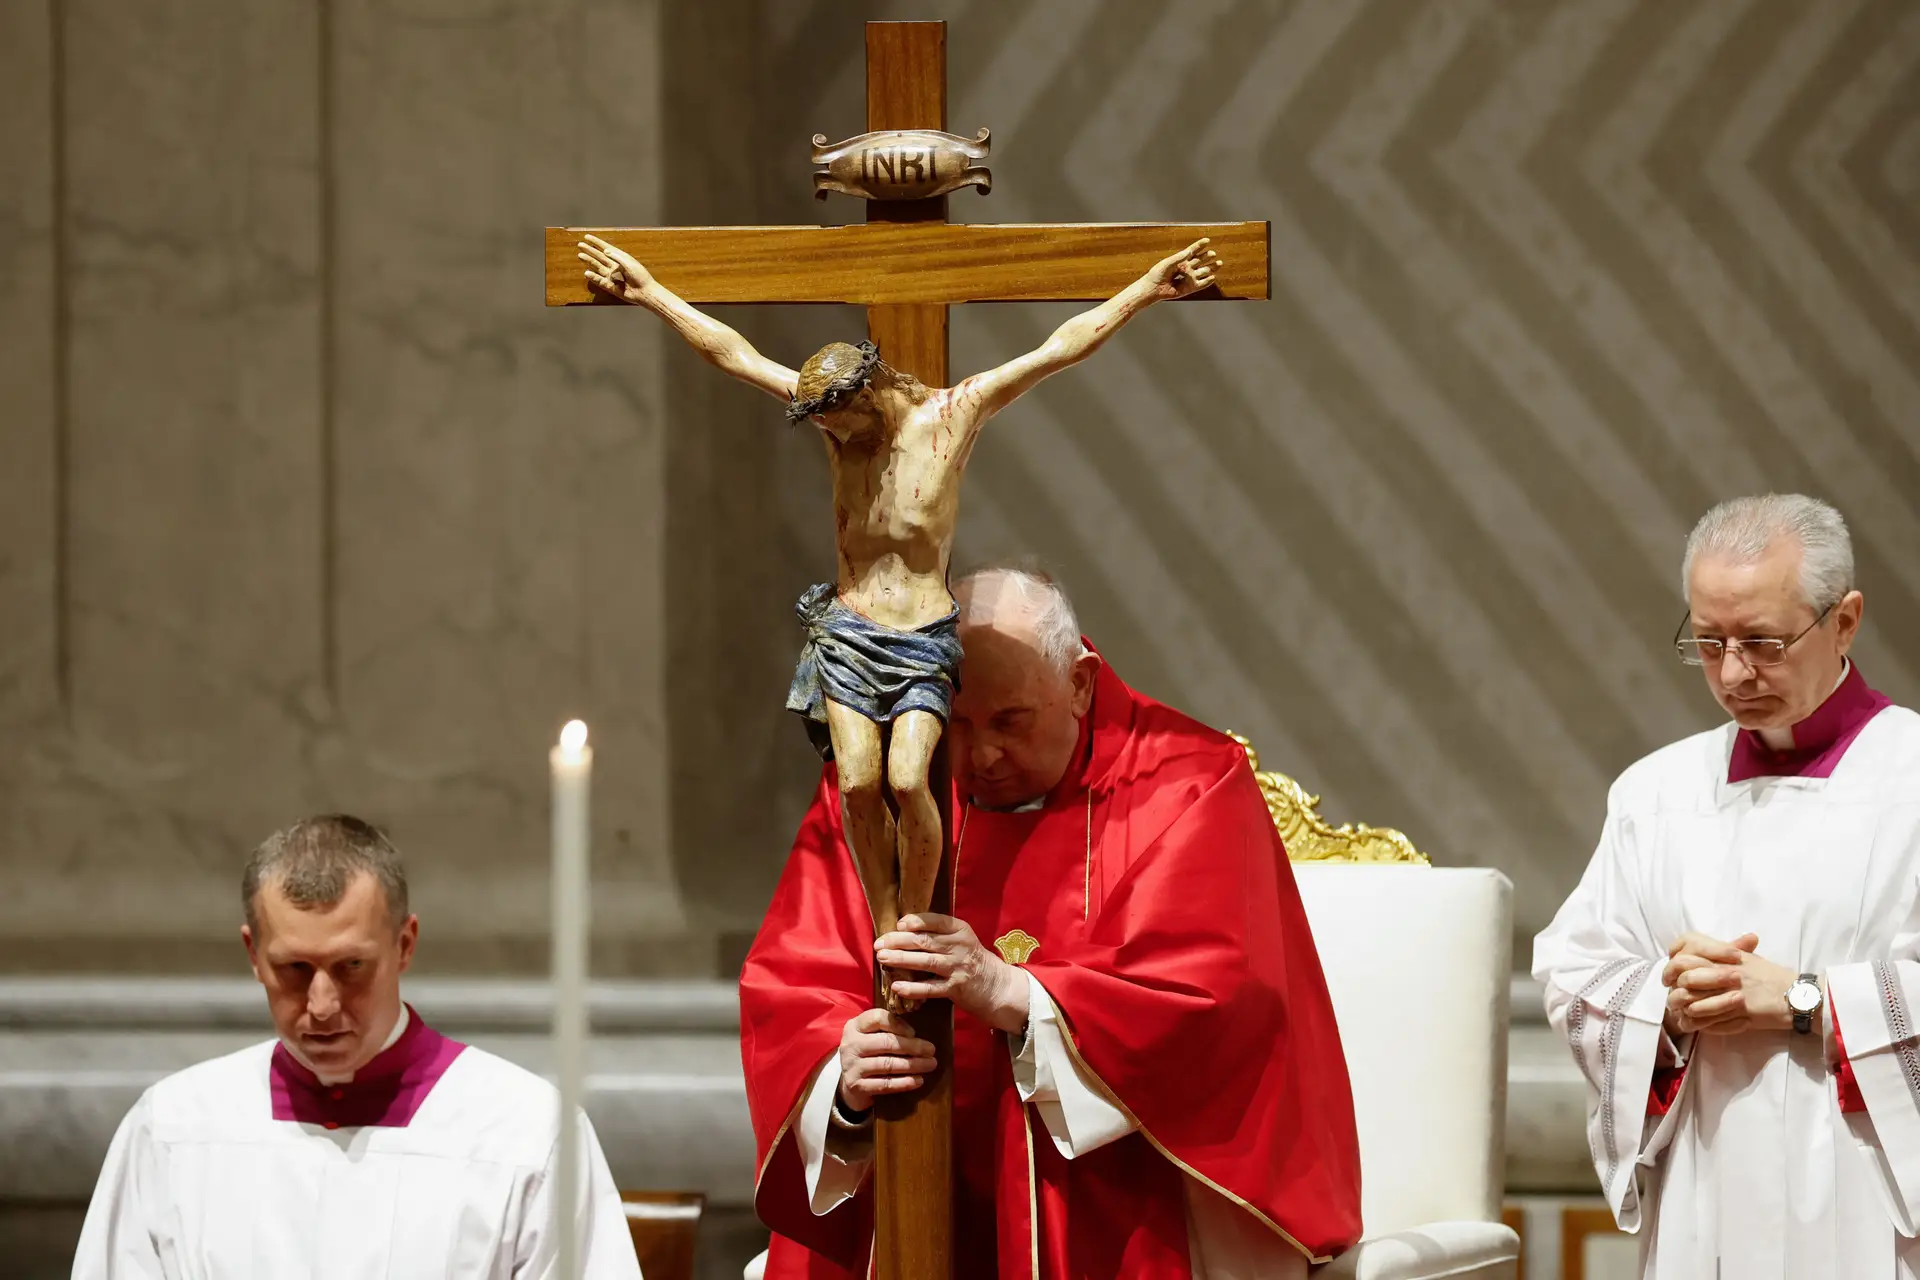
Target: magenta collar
387, 1091
1818, 741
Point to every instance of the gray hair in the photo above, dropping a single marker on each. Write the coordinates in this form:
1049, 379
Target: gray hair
314, 861
1055, 625
1742, 529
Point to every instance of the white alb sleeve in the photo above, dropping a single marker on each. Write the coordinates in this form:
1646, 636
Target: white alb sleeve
1874, 1002
118, 1241
836, 1156
1079, 1113
1604, 997
600, 1222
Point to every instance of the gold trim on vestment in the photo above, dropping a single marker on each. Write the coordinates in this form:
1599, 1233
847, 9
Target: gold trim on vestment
1086, 877
780, 1134
1073, 1050
1016, 946
1033, 1192
959, 840
1086, 882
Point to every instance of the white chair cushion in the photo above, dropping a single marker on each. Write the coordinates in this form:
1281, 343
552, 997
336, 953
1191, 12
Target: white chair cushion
1416, 960
1463, 1250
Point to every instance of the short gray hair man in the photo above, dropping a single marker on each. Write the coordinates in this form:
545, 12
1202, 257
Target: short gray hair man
1751, 896
1742, 530
313, 862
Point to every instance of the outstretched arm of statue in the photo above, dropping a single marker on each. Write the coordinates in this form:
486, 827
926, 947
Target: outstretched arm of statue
617, 273
1174, 276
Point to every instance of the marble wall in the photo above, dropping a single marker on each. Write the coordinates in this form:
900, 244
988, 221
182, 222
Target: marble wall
307, 502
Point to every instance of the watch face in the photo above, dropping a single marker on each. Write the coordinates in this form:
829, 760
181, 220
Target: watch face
1803, 997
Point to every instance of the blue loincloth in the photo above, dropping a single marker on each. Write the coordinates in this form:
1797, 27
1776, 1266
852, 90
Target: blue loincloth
865, 667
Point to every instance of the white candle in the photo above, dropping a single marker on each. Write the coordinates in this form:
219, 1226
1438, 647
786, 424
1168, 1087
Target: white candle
572, 762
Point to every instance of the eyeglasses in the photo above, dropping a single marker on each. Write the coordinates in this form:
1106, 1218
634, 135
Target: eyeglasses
1764, 652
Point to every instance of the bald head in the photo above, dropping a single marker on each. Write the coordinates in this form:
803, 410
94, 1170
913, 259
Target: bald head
1022, 603
1026, 683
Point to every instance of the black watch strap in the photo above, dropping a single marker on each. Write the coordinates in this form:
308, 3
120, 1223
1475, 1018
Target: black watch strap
851, 1119
1803, 1021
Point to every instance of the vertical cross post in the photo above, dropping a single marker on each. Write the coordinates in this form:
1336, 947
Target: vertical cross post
913, 1142
905, 265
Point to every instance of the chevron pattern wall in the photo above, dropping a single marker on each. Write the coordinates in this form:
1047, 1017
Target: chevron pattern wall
1549, 280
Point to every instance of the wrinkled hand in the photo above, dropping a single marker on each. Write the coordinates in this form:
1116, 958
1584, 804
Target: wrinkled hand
1188, 271
879, 1054
957, 968
1723, 988
614, 271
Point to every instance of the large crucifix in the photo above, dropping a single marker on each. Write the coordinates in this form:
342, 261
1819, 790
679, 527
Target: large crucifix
906, 264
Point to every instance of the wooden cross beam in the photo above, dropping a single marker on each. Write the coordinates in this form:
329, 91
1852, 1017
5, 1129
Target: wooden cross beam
906, 264
883, 263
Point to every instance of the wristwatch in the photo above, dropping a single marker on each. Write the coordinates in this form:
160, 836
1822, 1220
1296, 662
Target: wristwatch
847, 1118
1804, 1000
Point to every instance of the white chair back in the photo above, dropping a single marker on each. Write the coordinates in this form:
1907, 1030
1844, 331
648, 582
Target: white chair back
1417, 961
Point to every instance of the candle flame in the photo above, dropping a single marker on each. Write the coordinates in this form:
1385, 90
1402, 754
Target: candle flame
574, 737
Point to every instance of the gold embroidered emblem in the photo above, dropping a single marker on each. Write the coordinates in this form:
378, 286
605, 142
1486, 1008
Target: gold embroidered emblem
1017, 946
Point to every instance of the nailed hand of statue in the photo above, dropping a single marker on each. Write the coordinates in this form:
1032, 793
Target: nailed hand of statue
1188, 271
614, 271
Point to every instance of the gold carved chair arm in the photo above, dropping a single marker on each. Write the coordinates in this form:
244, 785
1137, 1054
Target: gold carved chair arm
1310, 837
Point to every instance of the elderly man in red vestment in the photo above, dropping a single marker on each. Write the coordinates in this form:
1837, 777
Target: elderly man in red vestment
1148, 1081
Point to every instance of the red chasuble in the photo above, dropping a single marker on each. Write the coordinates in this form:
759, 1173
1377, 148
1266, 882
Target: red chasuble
1172, 937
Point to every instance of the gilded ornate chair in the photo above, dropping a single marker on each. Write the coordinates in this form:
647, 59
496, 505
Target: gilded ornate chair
1416, 958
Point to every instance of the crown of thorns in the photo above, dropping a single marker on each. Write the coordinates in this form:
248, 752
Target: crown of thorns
839, 387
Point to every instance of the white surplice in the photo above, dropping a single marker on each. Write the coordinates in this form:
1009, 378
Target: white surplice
1224, 1241
1754, 1173
202, 1183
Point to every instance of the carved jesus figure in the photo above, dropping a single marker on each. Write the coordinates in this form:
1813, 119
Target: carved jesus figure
876, 677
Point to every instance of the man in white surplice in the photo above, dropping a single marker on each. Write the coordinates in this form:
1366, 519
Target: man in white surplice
1737, 972
361, 1143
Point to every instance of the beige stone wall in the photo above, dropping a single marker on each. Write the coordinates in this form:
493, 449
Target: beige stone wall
306, 501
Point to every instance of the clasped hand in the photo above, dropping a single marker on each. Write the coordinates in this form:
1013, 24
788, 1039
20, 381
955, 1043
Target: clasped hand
954, 966
879, 1052
1723, 988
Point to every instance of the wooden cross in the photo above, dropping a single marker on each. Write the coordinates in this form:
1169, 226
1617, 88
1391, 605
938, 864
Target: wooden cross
906, 264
